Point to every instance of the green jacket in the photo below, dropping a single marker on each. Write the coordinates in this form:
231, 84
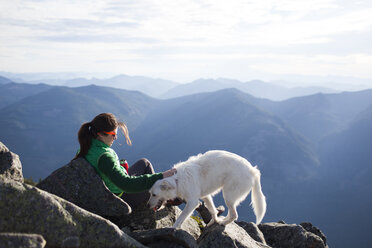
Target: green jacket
106, 162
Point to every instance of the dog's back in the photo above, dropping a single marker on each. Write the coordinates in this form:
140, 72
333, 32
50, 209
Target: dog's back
213, 169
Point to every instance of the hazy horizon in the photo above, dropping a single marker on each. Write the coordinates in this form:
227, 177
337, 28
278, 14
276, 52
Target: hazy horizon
290, 81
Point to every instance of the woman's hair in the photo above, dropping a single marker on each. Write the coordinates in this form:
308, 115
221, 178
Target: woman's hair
105, 122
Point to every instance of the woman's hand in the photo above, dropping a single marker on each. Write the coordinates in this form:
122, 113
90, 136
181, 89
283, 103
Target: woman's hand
169, 173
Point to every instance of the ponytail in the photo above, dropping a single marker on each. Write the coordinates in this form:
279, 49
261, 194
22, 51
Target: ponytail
85, 136
125, 131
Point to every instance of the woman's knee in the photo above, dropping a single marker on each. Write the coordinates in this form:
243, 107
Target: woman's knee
144, 161
146, 164
149, 166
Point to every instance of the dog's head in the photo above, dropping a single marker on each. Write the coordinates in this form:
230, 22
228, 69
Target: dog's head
160, 192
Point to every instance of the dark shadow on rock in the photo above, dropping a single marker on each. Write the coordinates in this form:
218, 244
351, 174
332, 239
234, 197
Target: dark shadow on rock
204, 212
165, 237
310, 228
146, 219
253, 231
16, 240
290, 235
10, 164
231, 235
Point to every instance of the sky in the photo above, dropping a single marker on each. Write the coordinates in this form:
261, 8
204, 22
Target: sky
183, 40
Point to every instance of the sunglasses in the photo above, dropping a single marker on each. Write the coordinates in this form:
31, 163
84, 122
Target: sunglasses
112, 133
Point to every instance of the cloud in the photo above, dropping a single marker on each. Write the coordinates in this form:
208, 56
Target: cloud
221, 23
349, 65
277, 35
95, 39
65, 25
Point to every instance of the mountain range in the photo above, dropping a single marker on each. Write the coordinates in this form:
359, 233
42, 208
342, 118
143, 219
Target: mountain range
165, 89
11, 92
319, 115
150, 86
257, 88
4, 80
225, 120
313, 151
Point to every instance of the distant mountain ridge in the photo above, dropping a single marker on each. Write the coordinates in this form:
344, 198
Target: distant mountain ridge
228, 120
153, 87
319, 115
314, 146
13, 92
256, 88
150, 86
4, 80
61, 110
161, 88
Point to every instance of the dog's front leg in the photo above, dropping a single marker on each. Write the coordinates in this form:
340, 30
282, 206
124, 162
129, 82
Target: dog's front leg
187, 211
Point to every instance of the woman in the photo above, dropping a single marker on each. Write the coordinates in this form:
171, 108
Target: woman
96, 138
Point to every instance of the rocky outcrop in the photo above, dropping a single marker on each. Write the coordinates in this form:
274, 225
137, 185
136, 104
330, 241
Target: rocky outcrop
78, 182
21, 240
10, 165
146, 219
290, 235
231, 235
310, 228
253, 231
25, 209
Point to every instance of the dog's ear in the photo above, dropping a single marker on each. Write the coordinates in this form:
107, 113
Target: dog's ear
165, 185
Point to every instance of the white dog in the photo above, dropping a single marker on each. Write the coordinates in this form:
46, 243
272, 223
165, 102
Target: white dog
204, 175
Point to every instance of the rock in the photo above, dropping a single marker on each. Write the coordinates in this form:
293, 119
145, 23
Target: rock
3, 148
310, 228
204, 212
290, 235
139, 219
253, 231
27, 209
190, 225
78, 182
21, 240
231, 235
10, 165
165, 237
145, 219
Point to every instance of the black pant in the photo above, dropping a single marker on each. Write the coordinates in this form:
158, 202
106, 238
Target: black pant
141, 167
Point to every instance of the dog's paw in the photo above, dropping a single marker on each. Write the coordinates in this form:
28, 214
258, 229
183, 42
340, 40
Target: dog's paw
211, 222
177, 227
226, 222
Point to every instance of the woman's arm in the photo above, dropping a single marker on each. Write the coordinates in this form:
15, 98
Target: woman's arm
107, 164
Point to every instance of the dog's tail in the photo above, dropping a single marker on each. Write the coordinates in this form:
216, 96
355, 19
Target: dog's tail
258, 198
